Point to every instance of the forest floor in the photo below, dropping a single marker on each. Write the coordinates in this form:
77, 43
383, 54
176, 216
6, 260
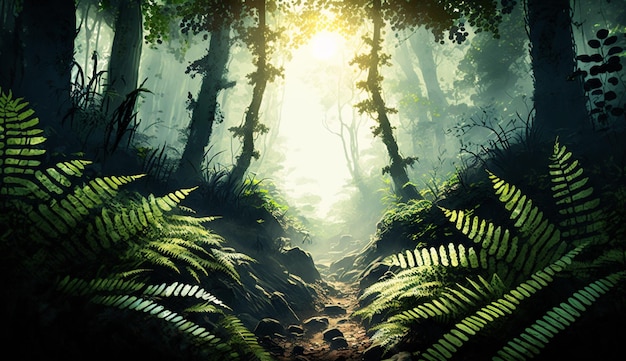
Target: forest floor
313, 347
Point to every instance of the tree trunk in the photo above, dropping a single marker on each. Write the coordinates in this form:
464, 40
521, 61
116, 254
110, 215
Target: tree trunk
559, 103
37, 49
205, 107
251, 122
123, 72
397, 169
436, 97
417, 114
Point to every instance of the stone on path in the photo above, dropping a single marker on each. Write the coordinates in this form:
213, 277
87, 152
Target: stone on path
334, 310
315, 324
332, 333
373, 353
338, 342
268, 327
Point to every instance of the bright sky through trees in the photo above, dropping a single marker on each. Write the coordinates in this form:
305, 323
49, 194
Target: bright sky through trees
325, 44
315, 164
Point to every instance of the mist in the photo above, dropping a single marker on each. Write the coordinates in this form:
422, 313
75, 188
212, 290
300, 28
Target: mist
313, 180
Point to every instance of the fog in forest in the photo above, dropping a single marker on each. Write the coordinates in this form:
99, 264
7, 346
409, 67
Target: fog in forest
315, 133
278, 180
453, 101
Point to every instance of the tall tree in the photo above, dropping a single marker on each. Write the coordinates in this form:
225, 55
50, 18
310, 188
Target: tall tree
36, 53
205, 18
438, 16
123, 70
257, 38
376, 106
205, 109
559, 102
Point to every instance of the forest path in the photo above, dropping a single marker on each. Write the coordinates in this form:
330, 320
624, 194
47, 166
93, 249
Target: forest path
313, 347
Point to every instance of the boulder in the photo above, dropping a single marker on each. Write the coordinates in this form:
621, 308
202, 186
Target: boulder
268, 327
373, 353
315, 324
372, 274
300, 263
283, 311
334, 310
338, 343
332, 333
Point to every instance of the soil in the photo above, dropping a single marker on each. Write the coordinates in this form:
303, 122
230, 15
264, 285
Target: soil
314, 347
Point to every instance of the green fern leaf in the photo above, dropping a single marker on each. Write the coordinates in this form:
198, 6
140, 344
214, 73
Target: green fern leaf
538, 335
507, 304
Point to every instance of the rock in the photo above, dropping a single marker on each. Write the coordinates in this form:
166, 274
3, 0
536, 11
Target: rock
332, 333
373, 353
301, 358
350, 276
268, 327
315, 324
343, 263
267, 343
295, 329
338, 343
300, 262
297, 350
373, 274
334, 310
248, 320
282, 308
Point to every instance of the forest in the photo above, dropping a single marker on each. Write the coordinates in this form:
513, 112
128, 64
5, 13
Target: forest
307, 180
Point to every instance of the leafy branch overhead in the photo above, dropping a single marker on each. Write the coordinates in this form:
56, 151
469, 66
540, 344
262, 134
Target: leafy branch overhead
506, 275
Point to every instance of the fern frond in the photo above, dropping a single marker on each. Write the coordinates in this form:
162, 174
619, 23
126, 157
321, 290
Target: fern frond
454, 255
20, 141
389, 334
407, 284
453, 302
245, 340
582, 216
450, 342
535, 337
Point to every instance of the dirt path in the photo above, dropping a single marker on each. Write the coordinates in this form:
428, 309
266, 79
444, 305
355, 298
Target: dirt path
311, 346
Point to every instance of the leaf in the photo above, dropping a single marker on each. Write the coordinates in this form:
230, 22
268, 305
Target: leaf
610, 40
595, 44
602, 34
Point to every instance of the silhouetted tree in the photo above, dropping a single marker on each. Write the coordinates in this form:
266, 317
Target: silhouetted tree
36, 53
123, 69
559, 99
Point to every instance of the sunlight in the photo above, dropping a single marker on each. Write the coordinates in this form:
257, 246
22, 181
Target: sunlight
325, 44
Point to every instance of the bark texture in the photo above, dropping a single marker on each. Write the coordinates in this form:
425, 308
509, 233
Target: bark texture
559, 102
205, 108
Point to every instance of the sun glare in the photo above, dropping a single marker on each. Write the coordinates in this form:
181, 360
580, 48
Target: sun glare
325, 44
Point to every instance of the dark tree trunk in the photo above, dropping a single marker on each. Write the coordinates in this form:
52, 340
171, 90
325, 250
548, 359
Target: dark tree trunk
251, 122
123, 72
397, 169
10, 50
559, 102
37, 49
205, 108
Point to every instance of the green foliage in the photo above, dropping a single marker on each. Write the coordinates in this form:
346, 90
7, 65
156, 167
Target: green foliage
601, 76
90, 241
508, 275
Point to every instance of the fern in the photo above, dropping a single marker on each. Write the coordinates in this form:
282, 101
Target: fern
529, 343
519, 261
58, 228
